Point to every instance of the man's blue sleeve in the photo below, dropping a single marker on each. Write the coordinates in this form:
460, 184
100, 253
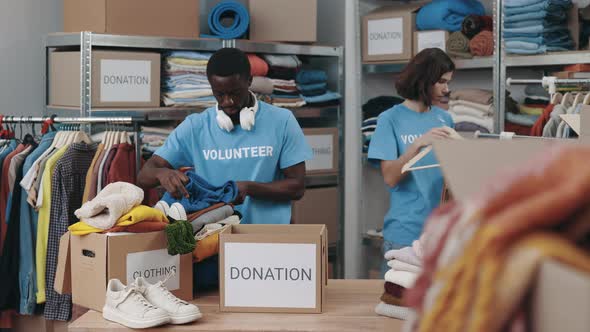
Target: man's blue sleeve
177, 149
295, 148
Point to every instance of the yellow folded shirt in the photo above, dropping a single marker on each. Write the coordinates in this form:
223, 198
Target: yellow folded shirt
81, 228
141, 213
530, 110
136, 215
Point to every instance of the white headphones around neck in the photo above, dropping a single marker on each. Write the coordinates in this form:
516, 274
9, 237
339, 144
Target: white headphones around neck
247, 117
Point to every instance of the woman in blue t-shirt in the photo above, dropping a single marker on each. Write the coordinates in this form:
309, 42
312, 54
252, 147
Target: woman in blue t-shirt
401, 133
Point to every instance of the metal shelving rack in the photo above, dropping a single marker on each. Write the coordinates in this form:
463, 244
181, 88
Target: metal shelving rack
397, 66
85, 42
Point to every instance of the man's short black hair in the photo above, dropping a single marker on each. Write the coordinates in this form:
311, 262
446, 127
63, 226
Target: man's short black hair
227, 62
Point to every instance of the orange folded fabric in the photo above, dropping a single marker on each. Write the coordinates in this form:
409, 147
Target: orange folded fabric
579, 67
482, 44
258, 67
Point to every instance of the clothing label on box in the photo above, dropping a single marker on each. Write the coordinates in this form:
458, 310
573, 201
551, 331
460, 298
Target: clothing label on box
274, 275
125, 80
323, 152
154, 266
431, 39
385, 36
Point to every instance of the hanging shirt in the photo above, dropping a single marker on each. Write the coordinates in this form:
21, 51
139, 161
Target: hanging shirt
275, 142
28, 234
43, 223
5, 191
90, 172
67, 184
419, 192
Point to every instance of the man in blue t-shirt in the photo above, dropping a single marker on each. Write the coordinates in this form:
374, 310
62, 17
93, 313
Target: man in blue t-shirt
258, 145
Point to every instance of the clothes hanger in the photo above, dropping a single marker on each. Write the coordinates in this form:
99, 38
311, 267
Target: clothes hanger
556, 98
408, 166
579, 97
567, 99
586, 100
81, 137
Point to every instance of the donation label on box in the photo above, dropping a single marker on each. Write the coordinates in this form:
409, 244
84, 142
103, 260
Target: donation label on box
125, 80
154, 265
385, 36
431, 39
270, 275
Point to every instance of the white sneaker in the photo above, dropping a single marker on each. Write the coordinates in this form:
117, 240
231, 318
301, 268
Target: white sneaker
177, 212
128, 307
181, 312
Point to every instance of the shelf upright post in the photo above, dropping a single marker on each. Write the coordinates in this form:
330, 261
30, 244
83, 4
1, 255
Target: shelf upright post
86, 75
499, 73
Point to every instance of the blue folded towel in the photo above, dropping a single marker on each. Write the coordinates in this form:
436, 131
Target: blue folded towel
447, 14
309, 76
328, 96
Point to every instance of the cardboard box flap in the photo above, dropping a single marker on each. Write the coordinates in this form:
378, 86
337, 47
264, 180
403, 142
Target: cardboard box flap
386, 11
63, 273
467, 165
276, 229
572, 120
555, 307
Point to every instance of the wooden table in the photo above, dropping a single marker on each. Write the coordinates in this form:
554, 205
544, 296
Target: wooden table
350, 307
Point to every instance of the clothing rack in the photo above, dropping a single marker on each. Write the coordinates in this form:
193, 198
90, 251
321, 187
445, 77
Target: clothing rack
507, 135
551, 82
86, 120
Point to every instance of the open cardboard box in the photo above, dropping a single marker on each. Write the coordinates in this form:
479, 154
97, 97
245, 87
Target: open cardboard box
87, 263
561, 295
273, 268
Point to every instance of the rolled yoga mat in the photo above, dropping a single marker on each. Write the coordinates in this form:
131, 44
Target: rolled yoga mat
225, 9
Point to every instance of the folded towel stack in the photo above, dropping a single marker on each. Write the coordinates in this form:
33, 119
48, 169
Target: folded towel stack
537, 26
472, 110
406, 266
184, 79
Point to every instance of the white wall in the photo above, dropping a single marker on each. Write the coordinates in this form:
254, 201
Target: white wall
23, 25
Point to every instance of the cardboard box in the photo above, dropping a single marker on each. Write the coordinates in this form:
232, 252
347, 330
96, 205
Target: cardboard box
387, 33
561, 295
283, 20
273, 268
319, 206
430, 39
171, 18
97, 258
119, 79
324, 144
561, 299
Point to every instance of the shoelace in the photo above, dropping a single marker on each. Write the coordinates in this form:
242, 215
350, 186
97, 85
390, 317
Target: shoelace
160, 284
136, 293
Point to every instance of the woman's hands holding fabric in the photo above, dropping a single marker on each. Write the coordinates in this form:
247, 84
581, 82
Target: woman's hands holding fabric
430, 137
174, 182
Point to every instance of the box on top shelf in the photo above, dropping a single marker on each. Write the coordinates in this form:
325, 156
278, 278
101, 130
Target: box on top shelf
171, 18
387, 33
283, 20
430, 39
119, 79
